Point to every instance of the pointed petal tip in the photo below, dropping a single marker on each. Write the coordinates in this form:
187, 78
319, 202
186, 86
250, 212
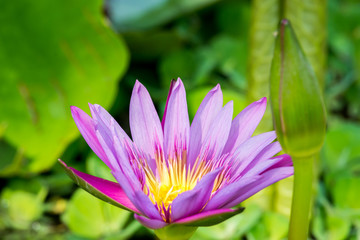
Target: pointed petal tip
76, 112
62, 162
137, 86
74, 109
229, 104
262, 100
178, 84
216, 88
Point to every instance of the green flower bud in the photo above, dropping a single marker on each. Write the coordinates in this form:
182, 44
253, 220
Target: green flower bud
296, 98
175, 232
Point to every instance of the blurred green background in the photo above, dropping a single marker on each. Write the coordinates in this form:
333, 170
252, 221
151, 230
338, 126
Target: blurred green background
58, 53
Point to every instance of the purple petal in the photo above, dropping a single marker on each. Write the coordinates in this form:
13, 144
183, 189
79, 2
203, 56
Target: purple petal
244, 124
229, 193
150, 223
191, 202
145, 124
86, 127
248, 150
105, 190
218, 133
208, 110
268, 152
267, 178
108, 147
176, 125
103, 118
268, 164
209, 218
133, 190
144, 204
167, 103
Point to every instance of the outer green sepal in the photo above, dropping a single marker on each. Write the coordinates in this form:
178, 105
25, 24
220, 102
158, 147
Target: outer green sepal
175, 232
296, 98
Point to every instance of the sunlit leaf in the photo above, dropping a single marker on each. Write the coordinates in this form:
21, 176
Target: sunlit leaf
264, 23
232, 228
53, 54
341, 145
90, 217
22, 206
346, 192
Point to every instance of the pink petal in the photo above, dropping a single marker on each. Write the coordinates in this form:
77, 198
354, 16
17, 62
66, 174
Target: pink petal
229, 193
269, 151
150, 223
264, 165
248, 150
200, 126
209, 218
218, 133
267, 178
244, 124
86, 127
105, 190
167, 103
133, 190
176, 125
191, 202
145, 124
104, 119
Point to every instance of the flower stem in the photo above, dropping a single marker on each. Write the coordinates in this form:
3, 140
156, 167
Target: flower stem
302, 198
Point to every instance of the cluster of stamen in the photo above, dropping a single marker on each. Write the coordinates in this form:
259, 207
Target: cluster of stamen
174, 176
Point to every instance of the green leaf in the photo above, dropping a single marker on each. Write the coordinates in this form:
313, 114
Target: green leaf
265, 19
53, 54
276, 225
11, 159
338, 227
341, 146
264, 22
346, 192
232, 228
127, 16
22, 207
90, 217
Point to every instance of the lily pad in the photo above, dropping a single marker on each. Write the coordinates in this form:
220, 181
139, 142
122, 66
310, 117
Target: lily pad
53, 56
90, 217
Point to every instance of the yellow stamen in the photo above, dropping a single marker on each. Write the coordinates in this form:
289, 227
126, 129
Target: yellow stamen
173, 178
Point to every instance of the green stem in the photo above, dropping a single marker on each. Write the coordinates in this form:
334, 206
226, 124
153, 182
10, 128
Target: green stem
302, 198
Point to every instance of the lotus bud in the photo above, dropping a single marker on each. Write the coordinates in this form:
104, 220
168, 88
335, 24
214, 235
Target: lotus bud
296, 98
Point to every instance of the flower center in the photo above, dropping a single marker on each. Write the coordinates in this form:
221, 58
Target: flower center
172, 178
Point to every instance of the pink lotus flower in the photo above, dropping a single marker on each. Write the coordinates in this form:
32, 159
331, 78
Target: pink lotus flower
172, 172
